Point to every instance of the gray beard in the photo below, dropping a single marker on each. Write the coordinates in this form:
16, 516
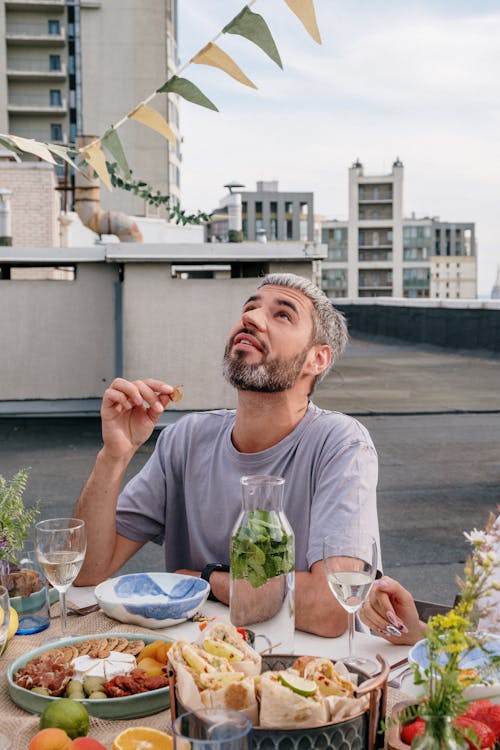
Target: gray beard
273, 376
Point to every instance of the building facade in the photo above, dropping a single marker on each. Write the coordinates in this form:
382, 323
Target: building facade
378, 253
69, 69
267, 214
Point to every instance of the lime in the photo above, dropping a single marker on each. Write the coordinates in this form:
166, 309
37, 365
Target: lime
297, 684
67, 714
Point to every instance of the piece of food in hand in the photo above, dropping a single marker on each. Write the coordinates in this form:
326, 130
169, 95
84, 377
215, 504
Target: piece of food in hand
176, 394
282, 707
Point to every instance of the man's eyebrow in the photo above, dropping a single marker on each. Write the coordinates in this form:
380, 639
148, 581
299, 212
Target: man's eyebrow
288, 303
253, 298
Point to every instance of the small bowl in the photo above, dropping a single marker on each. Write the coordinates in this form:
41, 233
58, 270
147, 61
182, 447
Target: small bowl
152, 600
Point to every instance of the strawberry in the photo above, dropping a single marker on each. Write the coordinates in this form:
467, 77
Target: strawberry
483, 736
413, 729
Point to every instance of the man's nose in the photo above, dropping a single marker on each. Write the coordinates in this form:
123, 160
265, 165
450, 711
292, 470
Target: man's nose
255, 318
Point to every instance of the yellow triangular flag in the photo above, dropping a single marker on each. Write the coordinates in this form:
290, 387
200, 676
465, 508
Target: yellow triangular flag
213, 55
94, 156
304, 10
31, 146
152, 119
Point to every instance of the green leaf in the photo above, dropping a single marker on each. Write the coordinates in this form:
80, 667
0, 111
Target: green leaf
113, 144
253, 27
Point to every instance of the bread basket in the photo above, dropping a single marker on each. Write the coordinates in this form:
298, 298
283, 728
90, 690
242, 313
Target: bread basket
360, 732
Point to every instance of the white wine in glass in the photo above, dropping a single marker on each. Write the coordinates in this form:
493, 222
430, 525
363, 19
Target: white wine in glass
60, 545
350, 559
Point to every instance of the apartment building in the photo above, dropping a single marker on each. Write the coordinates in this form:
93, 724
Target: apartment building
74, 67
378, 253
267, 214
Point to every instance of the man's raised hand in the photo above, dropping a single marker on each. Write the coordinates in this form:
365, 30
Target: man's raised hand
129, 413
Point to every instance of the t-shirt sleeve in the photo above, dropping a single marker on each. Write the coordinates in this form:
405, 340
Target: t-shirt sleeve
345, 495
141, 506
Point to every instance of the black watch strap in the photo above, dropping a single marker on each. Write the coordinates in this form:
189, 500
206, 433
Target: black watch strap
207, 572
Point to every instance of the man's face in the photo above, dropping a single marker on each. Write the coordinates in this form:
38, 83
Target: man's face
268, 346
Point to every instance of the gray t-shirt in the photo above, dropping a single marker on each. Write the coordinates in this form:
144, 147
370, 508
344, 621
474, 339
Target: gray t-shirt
188, 493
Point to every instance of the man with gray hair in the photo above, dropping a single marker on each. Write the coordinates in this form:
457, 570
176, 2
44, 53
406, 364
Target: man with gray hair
187, 495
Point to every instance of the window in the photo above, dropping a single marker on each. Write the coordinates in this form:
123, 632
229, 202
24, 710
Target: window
55, 98
273, 234
54, 62
258, 208
56, 133
288, 207
54, 27
274, 208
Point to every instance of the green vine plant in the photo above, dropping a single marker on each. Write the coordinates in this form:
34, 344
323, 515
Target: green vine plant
154, 197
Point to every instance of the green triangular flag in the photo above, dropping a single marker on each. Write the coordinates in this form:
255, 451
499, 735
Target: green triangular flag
63, 153
253, 27
112, 143
188, 90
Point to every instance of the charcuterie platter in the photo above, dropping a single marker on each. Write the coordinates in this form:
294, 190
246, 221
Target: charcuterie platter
39, 676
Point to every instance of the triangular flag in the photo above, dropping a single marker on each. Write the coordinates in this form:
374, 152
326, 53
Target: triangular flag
112, 143
31, 146
4, 141
63, 153
253, 27
304, 10
187, 90
152, 119
213, 55
94, 156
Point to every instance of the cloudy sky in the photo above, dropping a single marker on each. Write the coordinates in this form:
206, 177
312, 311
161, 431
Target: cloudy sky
418, 80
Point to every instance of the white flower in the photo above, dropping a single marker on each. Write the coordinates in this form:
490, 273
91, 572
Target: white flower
475, 536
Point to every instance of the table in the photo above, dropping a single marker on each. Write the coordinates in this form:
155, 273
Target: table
21, 726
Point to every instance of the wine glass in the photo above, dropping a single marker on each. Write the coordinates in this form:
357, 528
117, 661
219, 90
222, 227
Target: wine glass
60, 545
350, 559
4, 617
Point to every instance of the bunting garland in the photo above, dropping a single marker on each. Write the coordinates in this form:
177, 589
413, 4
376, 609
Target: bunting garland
246, 23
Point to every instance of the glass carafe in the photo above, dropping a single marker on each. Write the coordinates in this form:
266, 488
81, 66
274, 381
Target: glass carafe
262, 564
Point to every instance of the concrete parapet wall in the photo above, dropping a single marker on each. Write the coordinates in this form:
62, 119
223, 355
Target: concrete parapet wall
467, 324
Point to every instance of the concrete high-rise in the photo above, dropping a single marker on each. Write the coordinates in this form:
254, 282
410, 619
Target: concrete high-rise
74, 68
378, 253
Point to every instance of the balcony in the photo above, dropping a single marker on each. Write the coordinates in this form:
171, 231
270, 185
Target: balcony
34, 69
21, 34
374, 254
36, 5
35, 104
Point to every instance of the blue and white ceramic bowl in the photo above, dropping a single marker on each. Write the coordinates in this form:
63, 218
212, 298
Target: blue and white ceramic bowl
152, 600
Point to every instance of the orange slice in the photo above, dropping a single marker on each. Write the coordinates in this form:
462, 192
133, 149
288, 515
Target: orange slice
142, 738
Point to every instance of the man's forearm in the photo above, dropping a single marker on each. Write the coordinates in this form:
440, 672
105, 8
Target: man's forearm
316, 609
97, 507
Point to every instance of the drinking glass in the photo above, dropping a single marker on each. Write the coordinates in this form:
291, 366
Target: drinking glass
4, 617
212, 729
60, 545
350, 559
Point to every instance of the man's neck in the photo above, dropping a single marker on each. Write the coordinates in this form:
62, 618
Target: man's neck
263, 419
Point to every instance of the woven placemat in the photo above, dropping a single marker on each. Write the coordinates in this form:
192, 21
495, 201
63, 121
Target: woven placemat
20, 725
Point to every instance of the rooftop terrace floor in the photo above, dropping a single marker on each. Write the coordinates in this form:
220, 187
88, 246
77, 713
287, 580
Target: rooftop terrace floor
434, 416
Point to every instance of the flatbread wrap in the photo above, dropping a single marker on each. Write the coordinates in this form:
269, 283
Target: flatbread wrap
282, 707
223, 639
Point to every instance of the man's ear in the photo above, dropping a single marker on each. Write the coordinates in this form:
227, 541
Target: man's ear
319, 359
